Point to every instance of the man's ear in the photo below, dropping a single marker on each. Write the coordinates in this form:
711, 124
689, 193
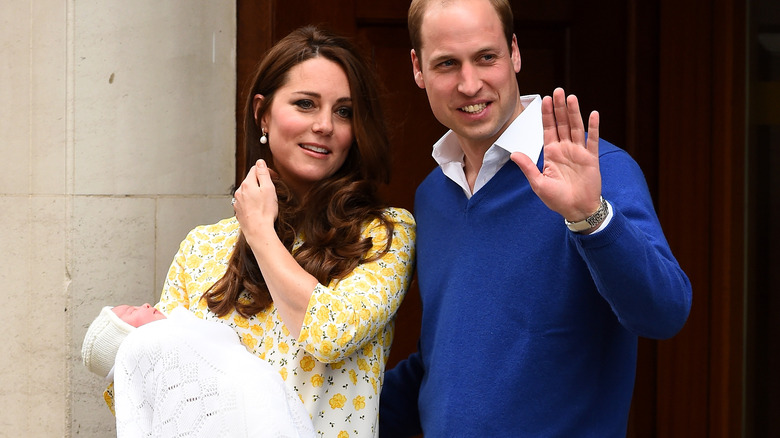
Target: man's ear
257, 105
418, 77
515, 53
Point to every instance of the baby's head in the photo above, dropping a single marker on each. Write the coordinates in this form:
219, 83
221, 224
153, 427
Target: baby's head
137, 316
107, 332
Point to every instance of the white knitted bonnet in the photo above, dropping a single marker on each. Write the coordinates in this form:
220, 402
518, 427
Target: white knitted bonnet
102, 341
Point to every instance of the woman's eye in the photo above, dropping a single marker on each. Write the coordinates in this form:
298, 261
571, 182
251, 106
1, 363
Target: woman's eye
344, 112
304, 104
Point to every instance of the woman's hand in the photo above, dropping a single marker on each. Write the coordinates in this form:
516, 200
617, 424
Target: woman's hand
256, 204
288, 283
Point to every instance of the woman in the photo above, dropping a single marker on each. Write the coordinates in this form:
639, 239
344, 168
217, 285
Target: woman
311, 270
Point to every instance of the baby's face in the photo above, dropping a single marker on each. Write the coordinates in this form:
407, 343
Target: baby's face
137, 316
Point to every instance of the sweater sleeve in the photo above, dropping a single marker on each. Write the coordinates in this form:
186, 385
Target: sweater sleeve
398, 413
349, 312
630, 261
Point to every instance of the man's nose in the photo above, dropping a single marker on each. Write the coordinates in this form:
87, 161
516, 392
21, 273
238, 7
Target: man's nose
470, 81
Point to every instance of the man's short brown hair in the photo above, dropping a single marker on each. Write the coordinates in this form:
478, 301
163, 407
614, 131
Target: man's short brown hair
417, 11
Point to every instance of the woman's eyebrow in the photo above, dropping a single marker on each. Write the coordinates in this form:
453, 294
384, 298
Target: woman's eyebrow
319, 96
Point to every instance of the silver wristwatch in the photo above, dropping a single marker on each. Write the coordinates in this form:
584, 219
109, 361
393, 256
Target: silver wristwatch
592, 220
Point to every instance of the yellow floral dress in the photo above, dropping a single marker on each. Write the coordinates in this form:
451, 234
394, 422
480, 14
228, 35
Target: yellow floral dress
336, 365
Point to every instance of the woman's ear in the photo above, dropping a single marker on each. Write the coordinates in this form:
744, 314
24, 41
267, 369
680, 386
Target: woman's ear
257, 105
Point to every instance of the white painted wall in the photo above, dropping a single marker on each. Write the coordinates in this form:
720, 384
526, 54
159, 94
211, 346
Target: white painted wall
117, 136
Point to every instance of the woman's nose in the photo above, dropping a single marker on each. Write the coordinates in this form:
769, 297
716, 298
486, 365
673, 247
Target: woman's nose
323, 124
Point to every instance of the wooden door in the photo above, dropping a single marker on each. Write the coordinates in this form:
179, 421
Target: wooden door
629, 59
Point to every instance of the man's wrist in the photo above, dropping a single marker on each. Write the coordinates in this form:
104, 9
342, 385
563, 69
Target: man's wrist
592, 221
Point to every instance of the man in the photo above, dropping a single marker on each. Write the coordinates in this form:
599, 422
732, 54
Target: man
534, 288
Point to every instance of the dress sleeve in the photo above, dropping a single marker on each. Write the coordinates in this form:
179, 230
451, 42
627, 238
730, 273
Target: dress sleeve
174, 293
108, 397
349, 312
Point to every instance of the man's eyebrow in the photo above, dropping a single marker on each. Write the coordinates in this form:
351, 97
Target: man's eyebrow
440, 58
488, 50
448, 56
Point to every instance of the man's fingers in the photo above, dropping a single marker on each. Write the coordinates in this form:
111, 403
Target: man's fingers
593, 133
575, 120
561, 114
527, 167
548, 121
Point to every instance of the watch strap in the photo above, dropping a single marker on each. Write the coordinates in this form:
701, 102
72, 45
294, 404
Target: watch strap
591, 221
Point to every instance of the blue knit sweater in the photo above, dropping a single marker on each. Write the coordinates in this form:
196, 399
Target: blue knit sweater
528, 329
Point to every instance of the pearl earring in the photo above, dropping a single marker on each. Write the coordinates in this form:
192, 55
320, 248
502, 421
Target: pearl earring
264, 138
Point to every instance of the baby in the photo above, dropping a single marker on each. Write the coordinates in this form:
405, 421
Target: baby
179, 374
107, 332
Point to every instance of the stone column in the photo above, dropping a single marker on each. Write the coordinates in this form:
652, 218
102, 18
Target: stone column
117, 136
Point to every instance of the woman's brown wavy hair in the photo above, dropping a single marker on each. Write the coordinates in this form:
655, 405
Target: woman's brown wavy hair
332, 215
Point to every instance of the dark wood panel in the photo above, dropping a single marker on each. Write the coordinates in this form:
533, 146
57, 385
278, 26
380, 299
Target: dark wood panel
546, 12
253, 38
337, 15
412, 130
763, 212
642, 35
542, 65
684, 178
642, 417
382, 11
727, 238
598, 64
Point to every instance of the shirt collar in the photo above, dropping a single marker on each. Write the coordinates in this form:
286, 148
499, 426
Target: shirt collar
525, 134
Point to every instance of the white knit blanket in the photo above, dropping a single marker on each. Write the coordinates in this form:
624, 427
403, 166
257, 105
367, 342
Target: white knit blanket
186, 377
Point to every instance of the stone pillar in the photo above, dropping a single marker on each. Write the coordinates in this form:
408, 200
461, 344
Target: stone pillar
117, 136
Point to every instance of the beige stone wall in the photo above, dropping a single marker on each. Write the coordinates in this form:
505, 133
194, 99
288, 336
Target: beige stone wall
116, 137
